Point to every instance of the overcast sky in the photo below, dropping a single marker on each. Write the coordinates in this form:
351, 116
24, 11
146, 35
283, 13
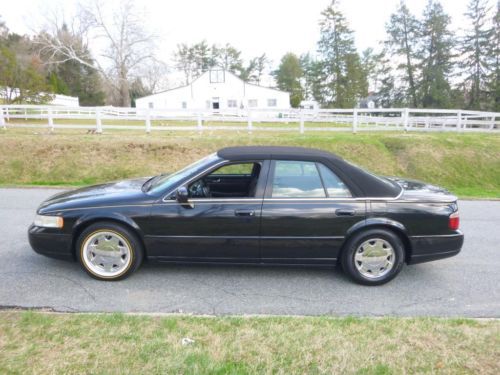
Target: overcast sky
254, 26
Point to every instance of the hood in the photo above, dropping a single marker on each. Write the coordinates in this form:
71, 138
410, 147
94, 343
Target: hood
418, 190
113, 193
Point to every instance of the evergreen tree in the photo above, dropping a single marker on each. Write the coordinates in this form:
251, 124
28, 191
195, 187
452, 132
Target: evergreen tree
493, 84
474, 62
403, 32
312, 77
344, 79
288, 77
437, 43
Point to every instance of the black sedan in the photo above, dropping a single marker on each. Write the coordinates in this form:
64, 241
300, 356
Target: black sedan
253, 205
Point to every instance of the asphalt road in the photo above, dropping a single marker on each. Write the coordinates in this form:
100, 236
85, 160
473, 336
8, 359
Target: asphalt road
465, 285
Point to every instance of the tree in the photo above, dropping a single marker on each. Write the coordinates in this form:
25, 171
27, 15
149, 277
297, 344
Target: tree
474, 62
344, 79
288, 77
437, 43
403, 31
127, 44
379, 73
312, 77
21, 83
493, 81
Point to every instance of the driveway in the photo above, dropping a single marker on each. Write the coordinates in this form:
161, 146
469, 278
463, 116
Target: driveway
466, 285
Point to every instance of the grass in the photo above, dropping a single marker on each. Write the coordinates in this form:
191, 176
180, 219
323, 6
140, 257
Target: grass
466, 164
33, 342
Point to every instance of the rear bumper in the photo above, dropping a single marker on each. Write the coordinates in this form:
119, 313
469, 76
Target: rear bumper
429, 248
47, 242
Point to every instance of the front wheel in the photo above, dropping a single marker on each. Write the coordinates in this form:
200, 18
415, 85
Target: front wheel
373, 257
108, 251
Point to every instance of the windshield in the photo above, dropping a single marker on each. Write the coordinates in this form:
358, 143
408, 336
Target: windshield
165, 182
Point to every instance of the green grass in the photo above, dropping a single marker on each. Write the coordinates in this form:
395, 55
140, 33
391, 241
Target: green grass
466, 164
44, 343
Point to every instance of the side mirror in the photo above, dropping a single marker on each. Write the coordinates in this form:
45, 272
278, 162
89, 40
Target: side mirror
182, 194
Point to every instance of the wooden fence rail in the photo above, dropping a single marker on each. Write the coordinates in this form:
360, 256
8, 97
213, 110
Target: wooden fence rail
99, 119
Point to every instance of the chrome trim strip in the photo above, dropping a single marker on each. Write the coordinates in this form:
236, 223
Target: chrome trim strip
438, 235
252, 237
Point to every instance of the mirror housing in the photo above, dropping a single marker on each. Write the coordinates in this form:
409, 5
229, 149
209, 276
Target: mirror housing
182, 195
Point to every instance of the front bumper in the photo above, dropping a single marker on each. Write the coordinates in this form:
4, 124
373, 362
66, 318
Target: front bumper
50, 242
429, 248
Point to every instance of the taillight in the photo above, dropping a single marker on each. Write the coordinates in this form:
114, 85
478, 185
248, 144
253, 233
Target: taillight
454, 221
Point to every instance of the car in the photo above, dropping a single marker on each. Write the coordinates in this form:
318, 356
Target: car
253, 205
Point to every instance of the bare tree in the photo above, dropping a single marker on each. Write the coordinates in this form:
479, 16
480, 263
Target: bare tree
127, 45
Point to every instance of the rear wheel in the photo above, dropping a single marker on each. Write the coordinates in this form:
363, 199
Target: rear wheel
373, 257
109, 251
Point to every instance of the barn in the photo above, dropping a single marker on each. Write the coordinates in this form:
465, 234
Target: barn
217, 90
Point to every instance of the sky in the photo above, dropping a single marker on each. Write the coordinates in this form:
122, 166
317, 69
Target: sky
253, 26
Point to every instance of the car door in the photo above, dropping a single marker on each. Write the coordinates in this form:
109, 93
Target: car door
222, 228
306, 213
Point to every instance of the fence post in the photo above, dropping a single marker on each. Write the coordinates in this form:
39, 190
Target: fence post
2, 119
148, 121
98, 121
200, 123
301, 127
405, 118
355, 120
459, 121
492, 125
250, 123
249, 120
51, 119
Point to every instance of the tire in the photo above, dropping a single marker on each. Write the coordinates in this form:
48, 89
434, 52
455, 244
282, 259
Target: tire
373, 256
109, 251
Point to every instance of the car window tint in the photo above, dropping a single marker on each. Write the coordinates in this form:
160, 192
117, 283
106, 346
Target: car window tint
235, 169
334, 186
296, 179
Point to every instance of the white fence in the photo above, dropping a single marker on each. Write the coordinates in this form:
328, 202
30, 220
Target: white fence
99, 119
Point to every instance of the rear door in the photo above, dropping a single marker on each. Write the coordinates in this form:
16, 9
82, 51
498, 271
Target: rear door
306, 213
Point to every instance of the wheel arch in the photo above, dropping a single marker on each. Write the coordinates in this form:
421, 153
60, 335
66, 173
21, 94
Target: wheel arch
380, 223
84, 222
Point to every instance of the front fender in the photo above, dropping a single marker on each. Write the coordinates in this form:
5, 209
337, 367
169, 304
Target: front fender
102, 216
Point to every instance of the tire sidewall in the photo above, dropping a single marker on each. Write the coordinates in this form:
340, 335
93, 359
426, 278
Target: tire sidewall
136, 252
352, 245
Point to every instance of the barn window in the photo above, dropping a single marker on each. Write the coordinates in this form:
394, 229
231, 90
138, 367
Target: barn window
232, 103
272, 102
184, 105
217, 76
253, 103
151, 105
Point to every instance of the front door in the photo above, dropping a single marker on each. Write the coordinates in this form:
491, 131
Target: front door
220, 222
306, 213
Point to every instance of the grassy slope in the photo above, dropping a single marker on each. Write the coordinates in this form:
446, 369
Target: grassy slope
467, 164
113, 343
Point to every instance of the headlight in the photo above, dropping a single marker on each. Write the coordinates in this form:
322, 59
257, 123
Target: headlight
48, 221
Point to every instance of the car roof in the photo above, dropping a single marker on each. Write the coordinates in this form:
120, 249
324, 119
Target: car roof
361, 183
271, 152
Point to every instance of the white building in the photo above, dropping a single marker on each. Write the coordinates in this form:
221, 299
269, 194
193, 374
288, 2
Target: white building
217, 90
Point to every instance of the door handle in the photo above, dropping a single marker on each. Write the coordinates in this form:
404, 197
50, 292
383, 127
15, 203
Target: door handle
345, 212
244, 212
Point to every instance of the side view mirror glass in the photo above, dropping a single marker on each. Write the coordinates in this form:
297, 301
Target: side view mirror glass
182, 194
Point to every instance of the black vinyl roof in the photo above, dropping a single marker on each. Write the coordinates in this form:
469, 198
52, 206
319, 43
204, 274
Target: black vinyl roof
361, 183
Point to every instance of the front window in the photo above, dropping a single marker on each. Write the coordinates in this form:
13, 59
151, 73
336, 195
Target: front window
252, 103
236, 180
217, 76
272, 102
166, 182
306, 179
232, 103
